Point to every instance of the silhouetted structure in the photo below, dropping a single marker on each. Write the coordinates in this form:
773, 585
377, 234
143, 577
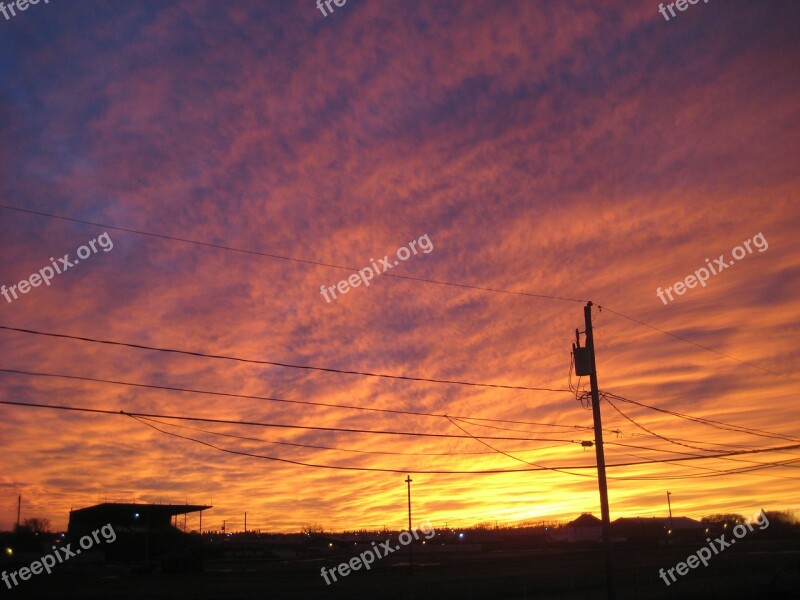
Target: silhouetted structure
586, 528
144, 531
654, 529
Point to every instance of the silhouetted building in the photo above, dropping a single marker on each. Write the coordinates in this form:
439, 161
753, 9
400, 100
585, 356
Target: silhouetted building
650, 529
144, 531
586, 528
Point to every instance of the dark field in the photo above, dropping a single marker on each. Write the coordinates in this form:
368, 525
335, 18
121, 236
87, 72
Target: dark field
768, 569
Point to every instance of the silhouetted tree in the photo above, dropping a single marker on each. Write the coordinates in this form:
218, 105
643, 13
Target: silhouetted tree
723, 518
781, 525
35, 525
311, 529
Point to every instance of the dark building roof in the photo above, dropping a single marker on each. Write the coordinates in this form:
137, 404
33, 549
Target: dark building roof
158, 511
133, 516
586, 520
676, 522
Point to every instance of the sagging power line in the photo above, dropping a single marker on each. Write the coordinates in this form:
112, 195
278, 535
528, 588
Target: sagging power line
391, 275
270, 363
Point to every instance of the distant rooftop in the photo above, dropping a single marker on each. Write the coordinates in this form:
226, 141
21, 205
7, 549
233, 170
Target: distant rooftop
675, 522
157, 510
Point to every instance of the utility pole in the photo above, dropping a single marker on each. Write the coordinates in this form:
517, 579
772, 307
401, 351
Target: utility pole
669, 505
585, 365
19, 508
245, 522
410, 545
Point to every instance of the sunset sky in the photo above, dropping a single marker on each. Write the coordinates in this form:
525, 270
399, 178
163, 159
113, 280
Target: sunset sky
572, 151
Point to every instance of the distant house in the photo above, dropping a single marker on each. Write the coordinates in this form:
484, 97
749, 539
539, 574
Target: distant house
586, 528
648, 529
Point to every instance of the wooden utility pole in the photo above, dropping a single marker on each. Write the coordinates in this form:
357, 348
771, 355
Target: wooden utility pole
598, 446
669, 506
411, 544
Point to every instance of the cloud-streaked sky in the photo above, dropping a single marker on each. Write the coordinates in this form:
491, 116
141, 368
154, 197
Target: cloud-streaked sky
573, 149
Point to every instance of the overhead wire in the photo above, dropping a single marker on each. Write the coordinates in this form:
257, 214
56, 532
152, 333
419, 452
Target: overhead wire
673, 440
277, 425
703, 347
737, 471
467, 420
392, 275
281, 400
268, 362
470, 421
709, 422
318, 447
137, 415
504, 453
282, 257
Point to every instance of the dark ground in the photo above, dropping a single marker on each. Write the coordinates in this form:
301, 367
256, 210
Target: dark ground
768, 569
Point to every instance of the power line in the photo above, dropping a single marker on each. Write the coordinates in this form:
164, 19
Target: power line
393, 275
737, 471
272, 399
651, 432
272, 363
688, 341
277, 425
468, 421
496, 471
397, 276
287, 258
655, 449
483, 472
339, 467
504, 453
639, 456
668, 440
317, 447
736, 446
710, 422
